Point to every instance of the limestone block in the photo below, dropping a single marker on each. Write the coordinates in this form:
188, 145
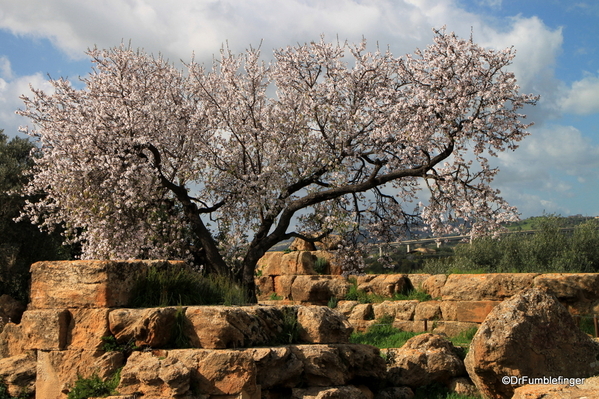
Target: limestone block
399, 310
86, 328
467, 311
530, 334
346, 307
416, 280
57, 371
151, 327
283, 286
362, 311
282, 264
86, 283
276, 367
485, 287
154, 376
45, 329
220, 372
318, 289
322, 325
424, 359
338, 364
384, 284
428, 310
299, 244
433, 285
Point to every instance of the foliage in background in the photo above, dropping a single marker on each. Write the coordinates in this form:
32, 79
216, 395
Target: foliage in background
182, 286
94, 386
548, 250
22, 243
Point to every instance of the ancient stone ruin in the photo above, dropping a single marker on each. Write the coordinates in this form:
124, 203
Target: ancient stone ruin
296, 347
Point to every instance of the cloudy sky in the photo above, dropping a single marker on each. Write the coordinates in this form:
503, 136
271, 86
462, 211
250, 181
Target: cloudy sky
556, 168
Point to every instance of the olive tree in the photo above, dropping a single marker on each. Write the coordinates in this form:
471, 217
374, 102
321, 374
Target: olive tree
219, 164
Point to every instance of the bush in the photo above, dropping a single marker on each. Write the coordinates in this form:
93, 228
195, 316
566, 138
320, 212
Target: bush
290, 329
181, 286
549, 250
94, 386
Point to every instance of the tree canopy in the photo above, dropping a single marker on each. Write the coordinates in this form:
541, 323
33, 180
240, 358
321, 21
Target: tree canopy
218, 165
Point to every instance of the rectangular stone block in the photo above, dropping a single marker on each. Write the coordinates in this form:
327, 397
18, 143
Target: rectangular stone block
87, 327
45, 329
467, 311
399, 310
485, 287
87, 283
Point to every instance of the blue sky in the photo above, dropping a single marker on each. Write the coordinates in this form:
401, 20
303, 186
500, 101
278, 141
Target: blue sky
556, 168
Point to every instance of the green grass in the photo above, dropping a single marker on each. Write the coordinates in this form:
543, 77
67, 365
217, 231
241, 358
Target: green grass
356, 294
321, 265
464, 338
382, 335
183, 287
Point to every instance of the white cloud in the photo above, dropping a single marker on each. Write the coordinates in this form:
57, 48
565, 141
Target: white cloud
583, 97
11, 89
5, 69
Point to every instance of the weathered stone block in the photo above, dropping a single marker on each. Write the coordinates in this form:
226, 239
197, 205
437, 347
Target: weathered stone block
318, 289
467, 311
283, 286
385, 284
429, 310
485, 287
151, 327
87, 283
434, 284
577, 291
399, 310
45, 329
86, 328
322, 325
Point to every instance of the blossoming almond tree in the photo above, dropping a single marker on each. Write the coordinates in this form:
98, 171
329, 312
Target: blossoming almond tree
219, 165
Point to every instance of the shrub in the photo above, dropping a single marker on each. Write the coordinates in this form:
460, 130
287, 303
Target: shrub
275, 297
333, 301
94, 386
111, 345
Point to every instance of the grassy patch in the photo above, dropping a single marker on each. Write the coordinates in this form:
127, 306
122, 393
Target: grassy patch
181, 286
382, 335
94, 386
275, 297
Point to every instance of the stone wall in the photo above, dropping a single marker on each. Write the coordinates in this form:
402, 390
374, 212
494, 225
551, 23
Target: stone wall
206, 352
460, 301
